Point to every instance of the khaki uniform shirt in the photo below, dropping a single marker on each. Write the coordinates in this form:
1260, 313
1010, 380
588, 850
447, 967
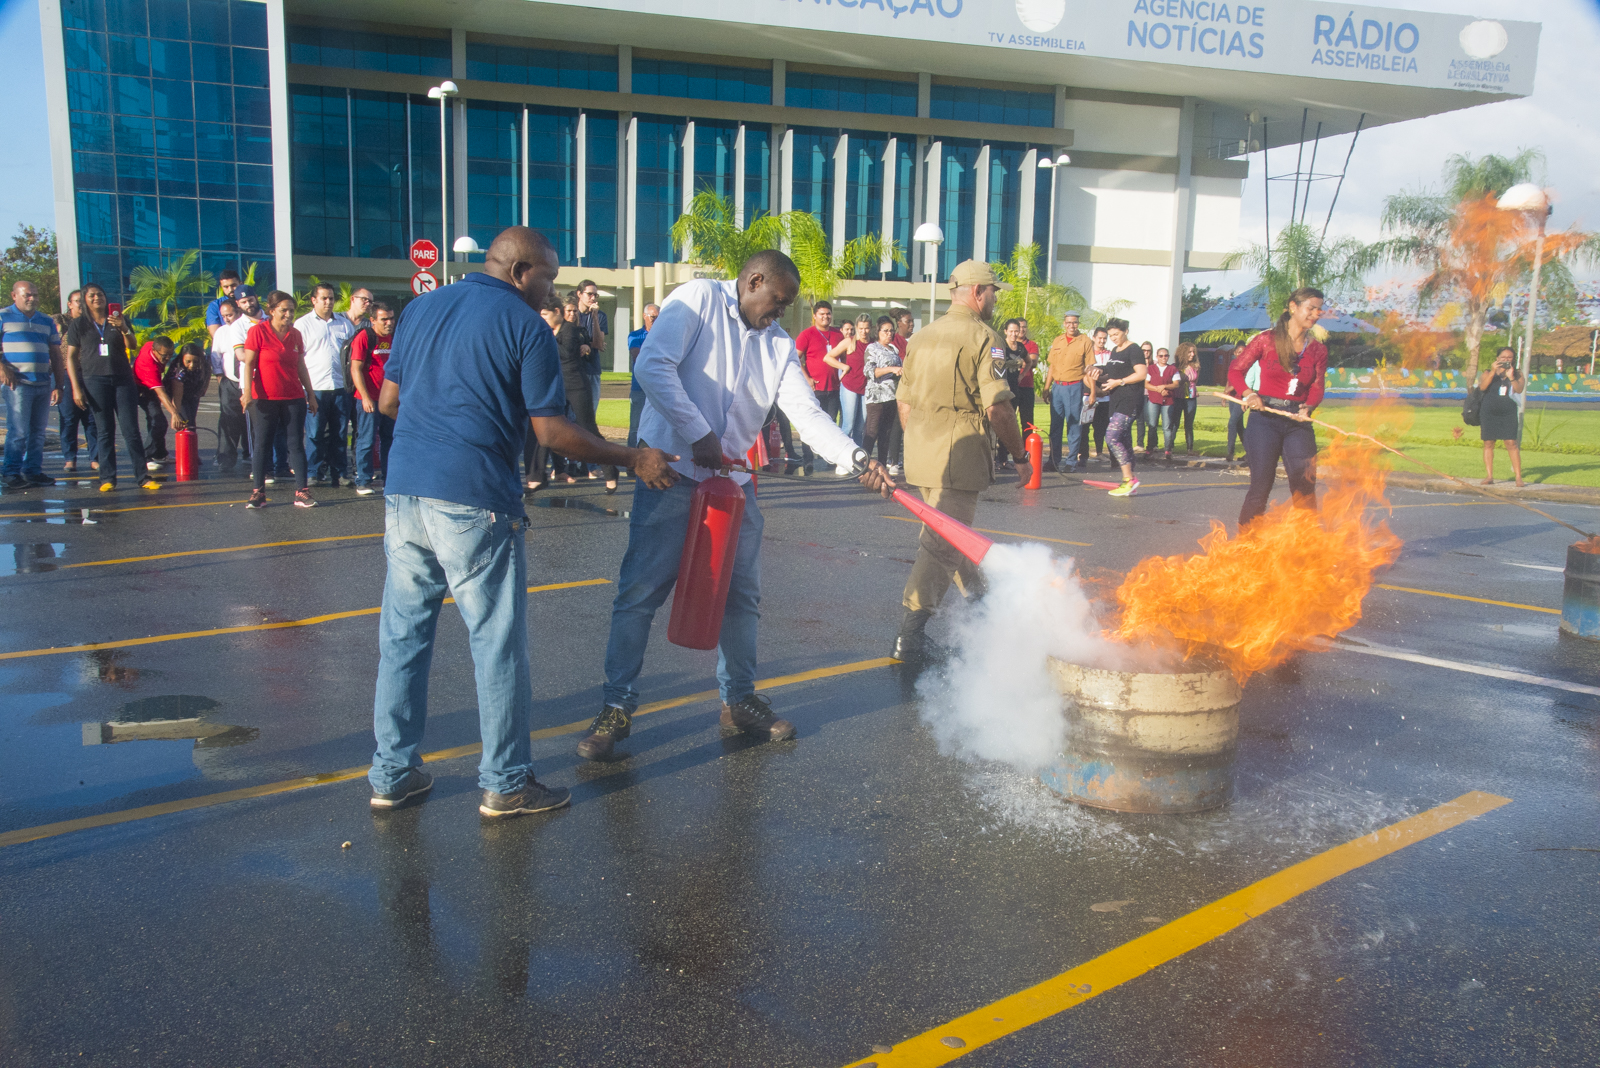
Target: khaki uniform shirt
954, 372
1070, 358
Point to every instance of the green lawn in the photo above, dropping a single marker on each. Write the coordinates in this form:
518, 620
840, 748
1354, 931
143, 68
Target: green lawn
1560, 447
613, 412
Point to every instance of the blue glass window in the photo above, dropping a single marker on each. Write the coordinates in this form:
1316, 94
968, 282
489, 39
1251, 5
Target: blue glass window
255, 227
97, 218
127, 16
1011, 107
208, 21
378, 160
213, 140
83, 15
137, 221
87, 51
130, 96
219, 225
715, 148
255, 182
323, 46
91, 131
659, 187
130, 55
957, 198
702, 81
217, 179
494, 177
601, 191
757, 171
94, 170
253, 144
102, 265
828, 92
320, 152
552, 177
252, 106
169, 18
213, 102
542, 66
136, 174
249, 21
87, 92
250, 67
175, 177
135, 135
180, 223
170, 59
174, 100
174, 138
813, 173
213, 62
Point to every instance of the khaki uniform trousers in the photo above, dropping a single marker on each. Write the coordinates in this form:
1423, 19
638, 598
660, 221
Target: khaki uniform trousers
937, 561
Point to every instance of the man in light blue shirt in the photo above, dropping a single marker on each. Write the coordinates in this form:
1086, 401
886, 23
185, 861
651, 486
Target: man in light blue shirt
30, 359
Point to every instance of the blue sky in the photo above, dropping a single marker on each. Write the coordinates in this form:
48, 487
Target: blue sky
1558, 117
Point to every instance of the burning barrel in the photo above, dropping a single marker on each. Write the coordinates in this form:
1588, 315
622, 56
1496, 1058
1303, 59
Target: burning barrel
1580, 601
1146, 742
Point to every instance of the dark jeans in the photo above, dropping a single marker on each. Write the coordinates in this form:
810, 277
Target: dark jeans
883, 430
785, 435
232, 428
156, 425
829, 399
1066, 401
635, 410
69, 417
281, 460
1190, 405
1268, 437
116, 400
325, 434
1102, 419
268, 419
1022, 399
1235, 427
374, 436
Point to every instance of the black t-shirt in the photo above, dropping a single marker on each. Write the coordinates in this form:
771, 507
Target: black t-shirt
86, 335
1127, 399
570, 339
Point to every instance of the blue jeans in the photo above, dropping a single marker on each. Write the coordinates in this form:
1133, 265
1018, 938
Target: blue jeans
436, 547
374, 433
325, 434
27, 418
69, 417
852, 413
1159, 418
656, 532
1066, 402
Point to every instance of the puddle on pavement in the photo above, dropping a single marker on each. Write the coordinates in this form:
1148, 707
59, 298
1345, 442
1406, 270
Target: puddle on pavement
109, 665
30, 558
1525, 630
577, 503
51, 513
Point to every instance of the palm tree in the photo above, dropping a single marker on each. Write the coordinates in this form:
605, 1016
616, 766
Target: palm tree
710, 233
175, 294
1041, 304
1471, 250
1299, 257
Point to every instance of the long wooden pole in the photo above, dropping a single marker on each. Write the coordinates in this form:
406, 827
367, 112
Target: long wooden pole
1410, 459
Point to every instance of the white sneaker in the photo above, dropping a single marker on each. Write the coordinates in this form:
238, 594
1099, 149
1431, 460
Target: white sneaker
365, 491
152, 465
895, 470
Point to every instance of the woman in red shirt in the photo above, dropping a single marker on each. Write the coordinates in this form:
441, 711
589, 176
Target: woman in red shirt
274, 363
1294, 365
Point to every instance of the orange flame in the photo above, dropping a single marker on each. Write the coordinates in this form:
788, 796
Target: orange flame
1251, 600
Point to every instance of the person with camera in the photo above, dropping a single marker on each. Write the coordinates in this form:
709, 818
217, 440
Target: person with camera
1499, 418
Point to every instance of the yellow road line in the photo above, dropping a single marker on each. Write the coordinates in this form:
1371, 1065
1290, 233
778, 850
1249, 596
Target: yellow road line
210, 552
1439, 504
109, 819
1474, 600
1005, 533
1133, 959
283, 625
81, 508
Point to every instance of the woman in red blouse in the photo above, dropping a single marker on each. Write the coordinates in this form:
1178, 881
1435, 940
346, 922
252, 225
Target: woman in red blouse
1293, 366
274, 363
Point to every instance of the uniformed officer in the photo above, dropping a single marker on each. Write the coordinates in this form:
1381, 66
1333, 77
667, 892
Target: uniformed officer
952, 392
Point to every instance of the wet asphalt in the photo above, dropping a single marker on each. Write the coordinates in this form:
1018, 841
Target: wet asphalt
709, 901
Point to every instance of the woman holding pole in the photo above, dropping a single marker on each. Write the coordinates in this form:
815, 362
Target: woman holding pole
1293, 365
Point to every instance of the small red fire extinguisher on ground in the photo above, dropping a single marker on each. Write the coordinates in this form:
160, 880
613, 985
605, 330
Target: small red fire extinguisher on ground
705, 571
188, 462
1035, 449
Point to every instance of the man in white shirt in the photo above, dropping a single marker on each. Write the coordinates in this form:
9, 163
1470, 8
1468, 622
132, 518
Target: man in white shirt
233, 428
325, 335
711, 367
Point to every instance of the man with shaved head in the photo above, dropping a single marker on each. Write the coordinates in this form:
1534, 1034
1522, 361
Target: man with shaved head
711, 367
471, 366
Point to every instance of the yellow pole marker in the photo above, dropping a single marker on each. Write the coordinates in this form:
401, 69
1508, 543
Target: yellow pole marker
109, 819
1132, 959
1463, 597
251, 628
213, 552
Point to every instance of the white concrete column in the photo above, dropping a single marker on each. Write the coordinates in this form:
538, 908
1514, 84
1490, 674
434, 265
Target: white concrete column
59, 116
632, 184
638, 293
935, 162
686, 193
1025, 201
786, 172
580, 224
841, 183
891, 160
1182, 217
980, 207
458, 140
282, 173
621, 326
524, 165
738, 178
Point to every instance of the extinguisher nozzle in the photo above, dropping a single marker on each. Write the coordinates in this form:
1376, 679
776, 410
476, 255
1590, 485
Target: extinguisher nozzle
962, 538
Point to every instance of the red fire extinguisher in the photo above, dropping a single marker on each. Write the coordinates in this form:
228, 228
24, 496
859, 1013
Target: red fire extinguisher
1035, 448
756, 460
705, 571
188, 455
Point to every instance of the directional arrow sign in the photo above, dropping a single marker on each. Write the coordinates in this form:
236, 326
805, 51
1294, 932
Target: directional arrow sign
423, 282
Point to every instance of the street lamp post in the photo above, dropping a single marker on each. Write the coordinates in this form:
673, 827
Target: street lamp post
1050, 165
442, 93
1530, 198
931, 238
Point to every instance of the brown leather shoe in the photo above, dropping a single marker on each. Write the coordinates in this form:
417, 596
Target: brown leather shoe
753, 715
611, 726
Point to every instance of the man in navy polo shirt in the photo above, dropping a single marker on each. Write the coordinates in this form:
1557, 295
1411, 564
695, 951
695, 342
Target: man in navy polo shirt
232, 289
471, 365
30, 357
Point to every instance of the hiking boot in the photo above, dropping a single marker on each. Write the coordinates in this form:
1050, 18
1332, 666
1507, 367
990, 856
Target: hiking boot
533, 797
611, 726
411, 784
911, 645
753, 715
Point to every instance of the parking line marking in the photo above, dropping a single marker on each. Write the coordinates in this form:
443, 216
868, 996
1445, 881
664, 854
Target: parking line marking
1148, 952
1463, 597
1005, 533
283, 625
78, 510
130, 815
1458, 665
210, 552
